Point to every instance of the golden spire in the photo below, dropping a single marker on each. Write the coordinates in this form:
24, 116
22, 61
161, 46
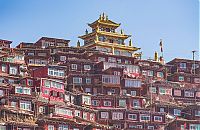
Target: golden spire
130, 42
86, 31
100, 17
103, 16
122, 32
78, 44
106, 17
156, 56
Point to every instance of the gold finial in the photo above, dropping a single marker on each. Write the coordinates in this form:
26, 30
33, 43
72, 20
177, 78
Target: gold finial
130, 42
78, 44
103, 16
106, 17
122, 32
156, 56
100, 17
86, 31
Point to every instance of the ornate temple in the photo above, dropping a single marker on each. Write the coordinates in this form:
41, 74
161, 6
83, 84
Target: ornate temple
102, 85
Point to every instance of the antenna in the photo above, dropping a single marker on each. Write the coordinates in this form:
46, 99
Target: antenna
193, 57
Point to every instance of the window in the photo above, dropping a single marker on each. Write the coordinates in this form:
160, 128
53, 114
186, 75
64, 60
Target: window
117, 52
92, 116
183, 65
88, 80
133, 93
194, 127
37, 61
101, 59
111, 59
136, 103
150, 73
47, 84
2, 127
13, 70
181, 78
85, 115
74, 66
117, 115
62, 58
119, 61
122, 103
31, 54
43, 62
86, 100
63, 111
87, 67
160, 74
107, 103
87, 90
112, 79
132, 83
158, 118
116, 73
102, 38
120, 41
150, 128
196, 80
31, 61
19, 89
189, 94
182, 127
162, 91
162, 109
95, 102
197, 112
177, 92
77, 113
77, 80
3, 68
104, 115
177, 112
63, 127
11, 81
144, 117
132, 116
152, 89
198, 94
25, 105
30, 82
1, 93
27, 91
13, 104
50, 127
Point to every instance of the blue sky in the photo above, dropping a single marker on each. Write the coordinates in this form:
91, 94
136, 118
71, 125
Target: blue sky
148, 21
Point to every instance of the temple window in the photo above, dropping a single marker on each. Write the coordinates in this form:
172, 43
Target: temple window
107, 29
117, 52
189, 94
120, 41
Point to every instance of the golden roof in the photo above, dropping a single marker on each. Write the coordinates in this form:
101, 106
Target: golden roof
103, 20
111, 34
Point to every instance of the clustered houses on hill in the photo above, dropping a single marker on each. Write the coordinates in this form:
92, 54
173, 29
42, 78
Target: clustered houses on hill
101, 85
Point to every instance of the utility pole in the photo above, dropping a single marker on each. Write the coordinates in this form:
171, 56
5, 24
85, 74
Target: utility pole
193, 57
